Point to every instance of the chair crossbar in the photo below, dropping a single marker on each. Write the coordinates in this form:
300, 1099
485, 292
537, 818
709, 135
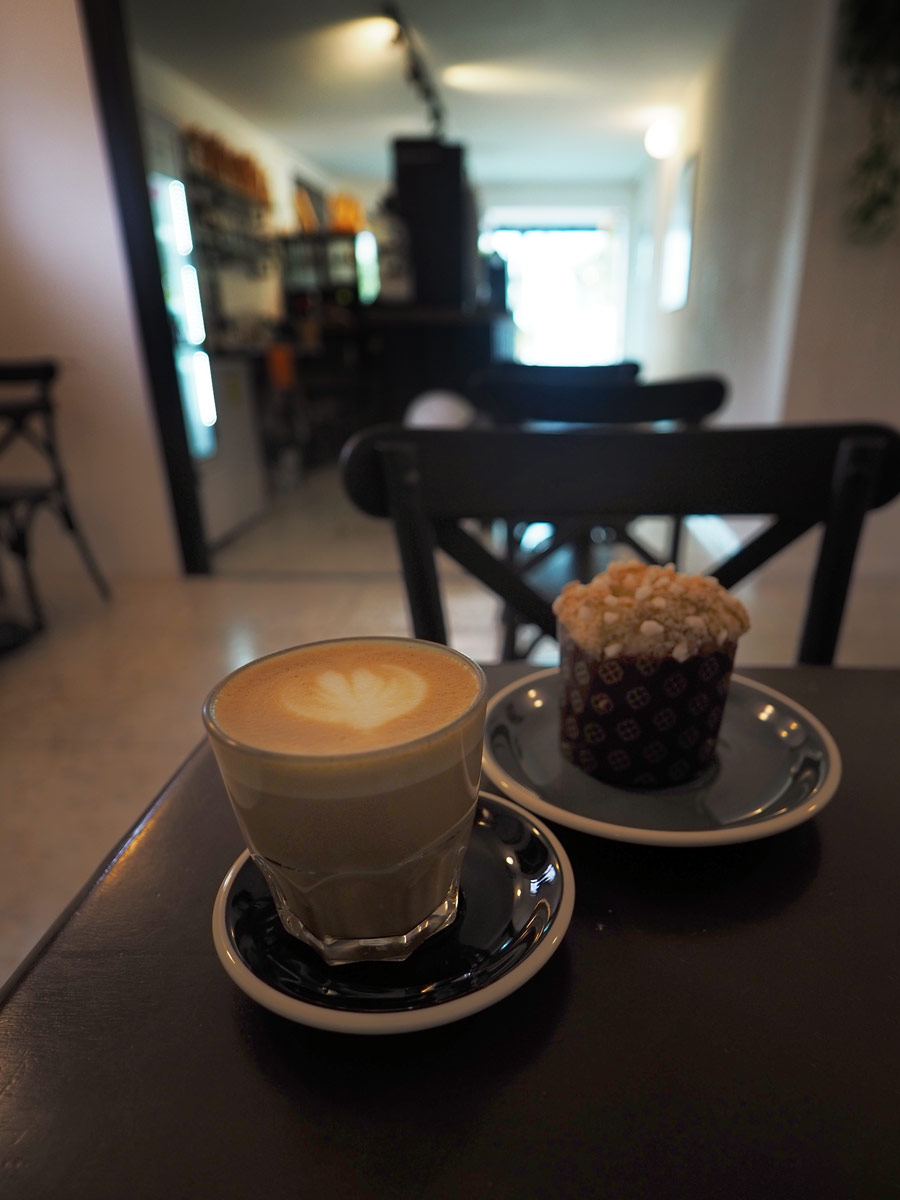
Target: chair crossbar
759, 549
496, 574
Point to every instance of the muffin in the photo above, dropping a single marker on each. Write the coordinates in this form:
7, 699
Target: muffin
646, 656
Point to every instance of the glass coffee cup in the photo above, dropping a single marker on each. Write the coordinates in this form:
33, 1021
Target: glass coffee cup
353, 769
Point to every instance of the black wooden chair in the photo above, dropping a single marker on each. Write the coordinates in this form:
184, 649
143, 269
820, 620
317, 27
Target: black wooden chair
437, 484
539, 397
556, 397
27, 414
511, 393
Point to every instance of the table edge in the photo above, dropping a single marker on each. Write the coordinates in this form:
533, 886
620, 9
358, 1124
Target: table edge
45, 941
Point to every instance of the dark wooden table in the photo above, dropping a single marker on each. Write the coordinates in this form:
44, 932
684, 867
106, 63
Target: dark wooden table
719, 1022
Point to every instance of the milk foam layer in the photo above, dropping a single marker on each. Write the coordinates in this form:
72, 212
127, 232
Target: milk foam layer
361, 698
344, 697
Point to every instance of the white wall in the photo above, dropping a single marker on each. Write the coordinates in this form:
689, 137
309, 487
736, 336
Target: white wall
64, 293
613, 194
753, 121
642, 335
846, 356
799, 319
846, 360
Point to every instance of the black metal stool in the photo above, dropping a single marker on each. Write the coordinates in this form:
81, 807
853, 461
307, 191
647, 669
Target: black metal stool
28, 414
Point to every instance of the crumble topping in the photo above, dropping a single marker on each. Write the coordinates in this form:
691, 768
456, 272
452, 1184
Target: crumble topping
634, 610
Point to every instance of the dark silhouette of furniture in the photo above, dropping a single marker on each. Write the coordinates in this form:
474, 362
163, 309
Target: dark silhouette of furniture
524, 396
413, 350
512, 393
432, 196
436, 485
27, 414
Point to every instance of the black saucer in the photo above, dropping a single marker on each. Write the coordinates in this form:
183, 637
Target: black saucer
516, 898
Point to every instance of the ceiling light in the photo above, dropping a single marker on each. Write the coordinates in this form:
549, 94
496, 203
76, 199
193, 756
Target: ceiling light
662, 137
349, 51
474, 77
375, 31
501, 78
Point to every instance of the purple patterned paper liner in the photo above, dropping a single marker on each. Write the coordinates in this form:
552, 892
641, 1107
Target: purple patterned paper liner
644, 722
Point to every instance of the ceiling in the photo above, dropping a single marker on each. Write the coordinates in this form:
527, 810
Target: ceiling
537, 91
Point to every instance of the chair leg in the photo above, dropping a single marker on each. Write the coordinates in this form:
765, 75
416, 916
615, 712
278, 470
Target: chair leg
510, 628
509, 619
415, 541
64, 511
14, 534
857, 468
583, 559
61, 504
31, 592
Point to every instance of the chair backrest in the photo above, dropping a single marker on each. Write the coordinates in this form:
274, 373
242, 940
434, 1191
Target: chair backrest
26, 379
26, 405
431, 481
500, 380
514, 394
40, 370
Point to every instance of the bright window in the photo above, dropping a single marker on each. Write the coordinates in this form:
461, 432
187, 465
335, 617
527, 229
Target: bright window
566, 292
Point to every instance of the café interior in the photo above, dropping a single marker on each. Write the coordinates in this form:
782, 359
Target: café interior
291, 295
724, 252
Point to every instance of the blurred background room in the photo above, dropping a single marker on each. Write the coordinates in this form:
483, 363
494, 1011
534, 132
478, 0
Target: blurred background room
245, 232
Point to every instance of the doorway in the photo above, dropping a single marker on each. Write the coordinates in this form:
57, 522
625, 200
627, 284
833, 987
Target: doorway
566, 288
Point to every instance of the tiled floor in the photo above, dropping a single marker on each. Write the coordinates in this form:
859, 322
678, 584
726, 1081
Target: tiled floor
98, 712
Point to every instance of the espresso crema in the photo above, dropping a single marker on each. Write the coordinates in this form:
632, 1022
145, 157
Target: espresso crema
344, 697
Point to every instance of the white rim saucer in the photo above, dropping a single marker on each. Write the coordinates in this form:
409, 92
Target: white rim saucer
731, 834
399, 1021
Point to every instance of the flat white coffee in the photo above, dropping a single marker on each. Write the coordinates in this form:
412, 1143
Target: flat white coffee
345, 696
353, 769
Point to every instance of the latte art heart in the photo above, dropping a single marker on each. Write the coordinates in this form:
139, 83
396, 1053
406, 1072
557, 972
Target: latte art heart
360, 699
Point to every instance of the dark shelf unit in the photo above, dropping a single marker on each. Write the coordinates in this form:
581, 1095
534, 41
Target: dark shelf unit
336, 380
227, 224
433, 198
